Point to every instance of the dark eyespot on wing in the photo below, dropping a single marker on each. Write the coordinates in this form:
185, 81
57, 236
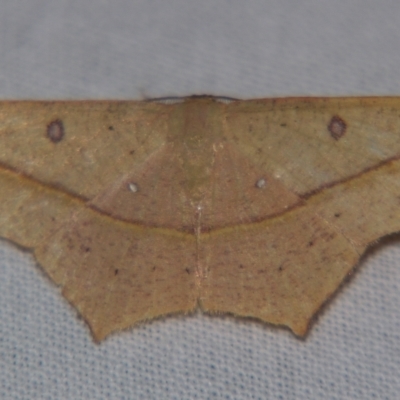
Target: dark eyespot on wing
337, 127
55, 131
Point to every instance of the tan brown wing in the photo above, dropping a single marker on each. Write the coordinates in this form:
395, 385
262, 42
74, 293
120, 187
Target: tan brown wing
256, 208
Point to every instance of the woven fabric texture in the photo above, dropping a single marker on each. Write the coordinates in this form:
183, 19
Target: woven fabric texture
75, 49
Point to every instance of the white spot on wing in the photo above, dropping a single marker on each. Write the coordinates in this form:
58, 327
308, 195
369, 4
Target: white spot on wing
133, 187
261, 183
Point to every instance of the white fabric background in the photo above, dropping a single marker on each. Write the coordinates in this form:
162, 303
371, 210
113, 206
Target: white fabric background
254, 48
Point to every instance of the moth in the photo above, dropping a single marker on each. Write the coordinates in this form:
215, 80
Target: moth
256, 208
